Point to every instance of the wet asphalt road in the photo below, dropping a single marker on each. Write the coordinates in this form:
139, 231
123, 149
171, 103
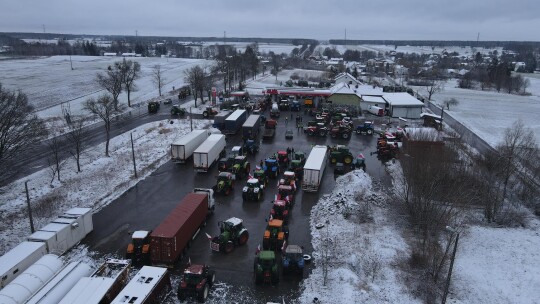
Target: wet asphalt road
144, 206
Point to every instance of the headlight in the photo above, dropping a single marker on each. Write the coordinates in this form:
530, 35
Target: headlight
245, 189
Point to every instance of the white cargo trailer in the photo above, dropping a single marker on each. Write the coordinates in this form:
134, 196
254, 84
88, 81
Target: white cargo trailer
146, 287
102, 286
31, 280
57, 287
314, 169
182, 148
209, 152
66, 231
18, 259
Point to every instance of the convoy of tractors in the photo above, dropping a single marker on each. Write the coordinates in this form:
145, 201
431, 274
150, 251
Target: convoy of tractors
290, 170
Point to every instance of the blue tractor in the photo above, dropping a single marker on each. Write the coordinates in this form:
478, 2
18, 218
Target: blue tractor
293, 260
251, 146
271, 167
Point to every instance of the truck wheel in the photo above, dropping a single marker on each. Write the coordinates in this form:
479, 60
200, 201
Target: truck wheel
203, 294
243, 238
229, 247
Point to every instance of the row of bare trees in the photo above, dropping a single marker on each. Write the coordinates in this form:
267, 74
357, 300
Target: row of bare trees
440, 185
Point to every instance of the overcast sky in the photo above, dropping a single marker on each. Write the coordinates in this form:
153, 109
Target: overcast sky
375, 19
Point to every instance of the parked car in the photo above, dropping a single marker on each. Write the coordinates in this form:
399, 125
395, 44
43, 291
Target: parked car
289, 134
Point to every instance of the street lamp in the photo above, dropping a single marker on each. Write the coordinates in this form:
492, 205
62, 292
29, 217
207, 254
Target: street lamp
447, 285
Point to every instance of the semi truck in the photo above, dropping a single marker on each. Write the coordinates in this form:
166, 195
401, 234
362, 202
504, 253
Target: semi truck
147, 286
314, 169
250, 129
209, 152
169, 240
102, 286
182, 148
234, 122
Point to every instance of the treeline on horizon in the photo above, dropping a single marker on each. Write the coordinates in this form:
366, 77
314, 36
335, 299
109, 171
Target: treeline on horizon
510, 45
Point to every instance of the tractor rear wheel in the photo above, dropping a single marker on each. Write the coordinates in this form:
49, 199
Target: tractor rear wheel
229, 247
322, 133
358, 132
203, 294
243, 238
205, 114
211, 278
347, 159
345, 135
228, 191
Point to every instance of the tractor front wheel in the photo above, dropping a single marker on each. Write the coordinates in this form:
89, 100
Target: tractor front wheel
205, 114
229, 247
333, 160
203, 294
345, 135
369, 132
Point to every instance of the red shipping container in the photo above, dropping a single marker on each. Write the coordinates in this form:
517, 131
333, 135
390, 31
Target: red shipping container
169, 240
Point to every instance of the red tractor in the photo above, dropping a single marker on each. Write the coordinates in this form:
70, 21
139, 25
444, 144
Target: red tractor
283, 158
196, 281
280, 211
285, 193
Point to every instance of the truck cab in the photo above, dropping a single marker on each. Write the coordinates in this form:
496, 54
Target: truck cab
210, 194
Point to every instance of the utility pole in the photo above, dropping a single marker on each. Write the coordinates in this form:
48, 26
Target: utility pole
190, 119
345, 36
447, 285
136, 33
133, 155
29, 208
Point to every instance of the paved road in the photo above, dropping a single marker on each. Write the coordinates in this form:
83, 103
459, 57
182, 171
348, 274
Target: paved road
145, 205
36, 157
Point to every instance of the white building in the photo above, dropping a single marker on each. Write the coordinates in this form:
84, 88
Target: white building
403, 105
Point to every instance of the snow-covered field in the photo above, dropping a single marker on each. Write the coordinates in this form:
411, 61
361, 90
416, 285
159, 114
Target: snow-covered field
488, 113
49, 81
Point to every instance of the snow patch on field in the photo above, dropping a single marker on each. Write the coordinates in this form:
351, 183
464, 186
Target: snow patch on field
497, 265
361, 238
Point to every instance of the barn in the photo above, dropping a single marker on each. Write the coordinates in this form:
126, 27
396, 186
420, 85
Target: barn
403, 105
343, 94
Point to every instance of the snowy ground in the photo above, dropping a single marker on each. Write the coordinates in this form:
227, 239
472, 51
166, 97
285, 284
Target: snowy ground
358, 243
50, 81
488, 113
101, 181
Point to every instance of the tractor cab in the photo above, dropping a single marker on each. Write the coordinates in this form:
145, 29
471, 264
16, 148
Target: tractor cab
225, 176
285, 193
299, 155
240, 166
225, 164
251, 146
236, 151
297, 167
253, 190
280, 210
289, 179
271, 167
266, 268
293, 259
139, 248
283, 157
275, 235
261, 176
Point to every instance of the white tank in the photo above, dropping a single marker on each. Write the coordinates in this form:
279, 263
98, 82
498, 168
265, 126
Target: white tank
31, 280
57, 287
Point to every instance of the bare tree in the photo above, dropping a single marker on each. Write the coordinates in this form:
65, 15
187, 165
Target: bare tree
19, 128
76, 138
104, 108
158, 78
434, 86
450, 102
112, 82
197, 79
55, 161
130, 72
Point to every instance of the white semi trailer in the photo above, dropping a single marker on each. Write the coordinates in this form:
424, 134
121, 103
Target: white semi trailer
209, 152
183, 148
314, 169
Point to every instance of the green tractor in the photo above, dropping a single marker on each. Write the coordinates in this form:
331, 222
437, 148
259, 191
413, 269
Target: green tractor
265, 267
177, 110
297, 167
240, 167
153, 106
341, 154
300, 156
261, 176
225, 183
233, 233
253, 190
